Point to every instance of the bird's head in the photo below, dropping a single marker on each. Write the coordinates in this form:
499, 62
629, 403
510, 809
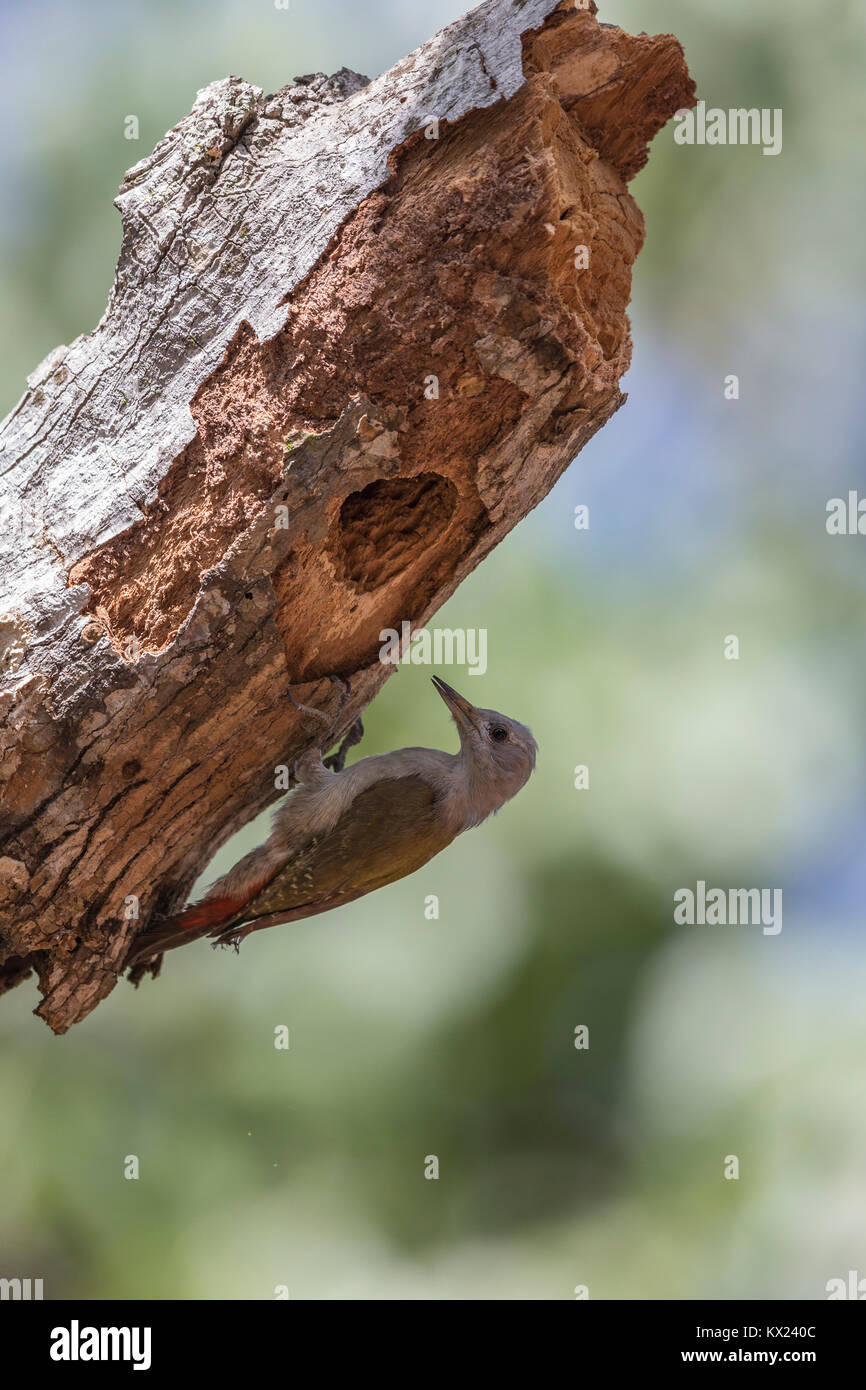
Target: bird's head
500, 751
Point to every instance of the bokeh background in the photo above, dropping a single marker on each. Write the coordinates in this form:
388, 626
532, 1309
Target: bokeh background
454, 1037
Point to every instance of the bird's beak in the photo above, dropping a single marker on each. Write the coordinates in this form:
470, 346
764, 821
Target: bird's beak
464, 714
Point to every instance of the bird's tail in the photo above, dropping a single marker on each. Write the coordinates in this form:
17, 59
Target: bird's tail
221, 907
187, 926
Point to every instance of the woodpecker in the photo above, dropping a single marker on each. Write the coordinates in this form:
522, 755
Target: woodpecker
342, 834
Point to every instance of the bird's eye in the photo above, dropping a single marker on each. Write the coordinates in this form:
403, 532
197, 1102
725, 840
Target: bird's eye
498, 733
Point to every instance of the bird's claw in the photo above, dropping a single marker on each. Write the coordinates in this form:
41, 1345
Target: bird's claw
308, 709
301, 776
337, 761
234, 940
326, 719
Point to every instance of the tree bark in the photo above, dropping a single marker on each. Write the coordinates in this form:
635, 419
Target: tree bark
352, 340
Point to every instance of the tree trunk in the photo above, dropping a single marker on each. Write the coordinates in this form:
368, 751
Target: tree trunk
357, 331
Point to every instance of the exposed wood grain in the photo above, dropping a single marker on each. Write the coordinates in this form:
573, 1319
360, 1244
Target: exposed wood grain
227, 490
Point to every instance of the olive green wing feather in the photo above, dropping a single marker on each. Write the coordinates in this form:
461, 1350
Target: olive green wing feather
388, 831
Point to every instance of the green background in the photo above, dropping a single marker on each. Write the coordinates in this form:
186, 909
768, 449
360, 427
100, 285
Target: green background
454, 1037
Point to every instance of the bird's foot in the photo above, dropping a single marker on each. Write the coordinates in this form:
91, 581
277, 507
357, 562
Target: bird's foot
307, 769
308, 709
327, 719
231, 938
337, 761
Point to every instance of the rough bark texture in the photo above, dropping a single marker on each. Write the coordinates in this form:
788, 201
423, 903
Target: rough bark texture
224, 493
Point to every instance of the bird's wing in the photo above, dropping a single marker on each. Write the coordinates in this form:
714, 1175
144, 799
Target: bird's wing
387, 831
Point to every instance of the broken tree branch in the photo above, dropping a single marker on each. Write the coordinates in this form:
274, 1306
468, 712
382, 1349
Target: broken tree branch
357, 331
